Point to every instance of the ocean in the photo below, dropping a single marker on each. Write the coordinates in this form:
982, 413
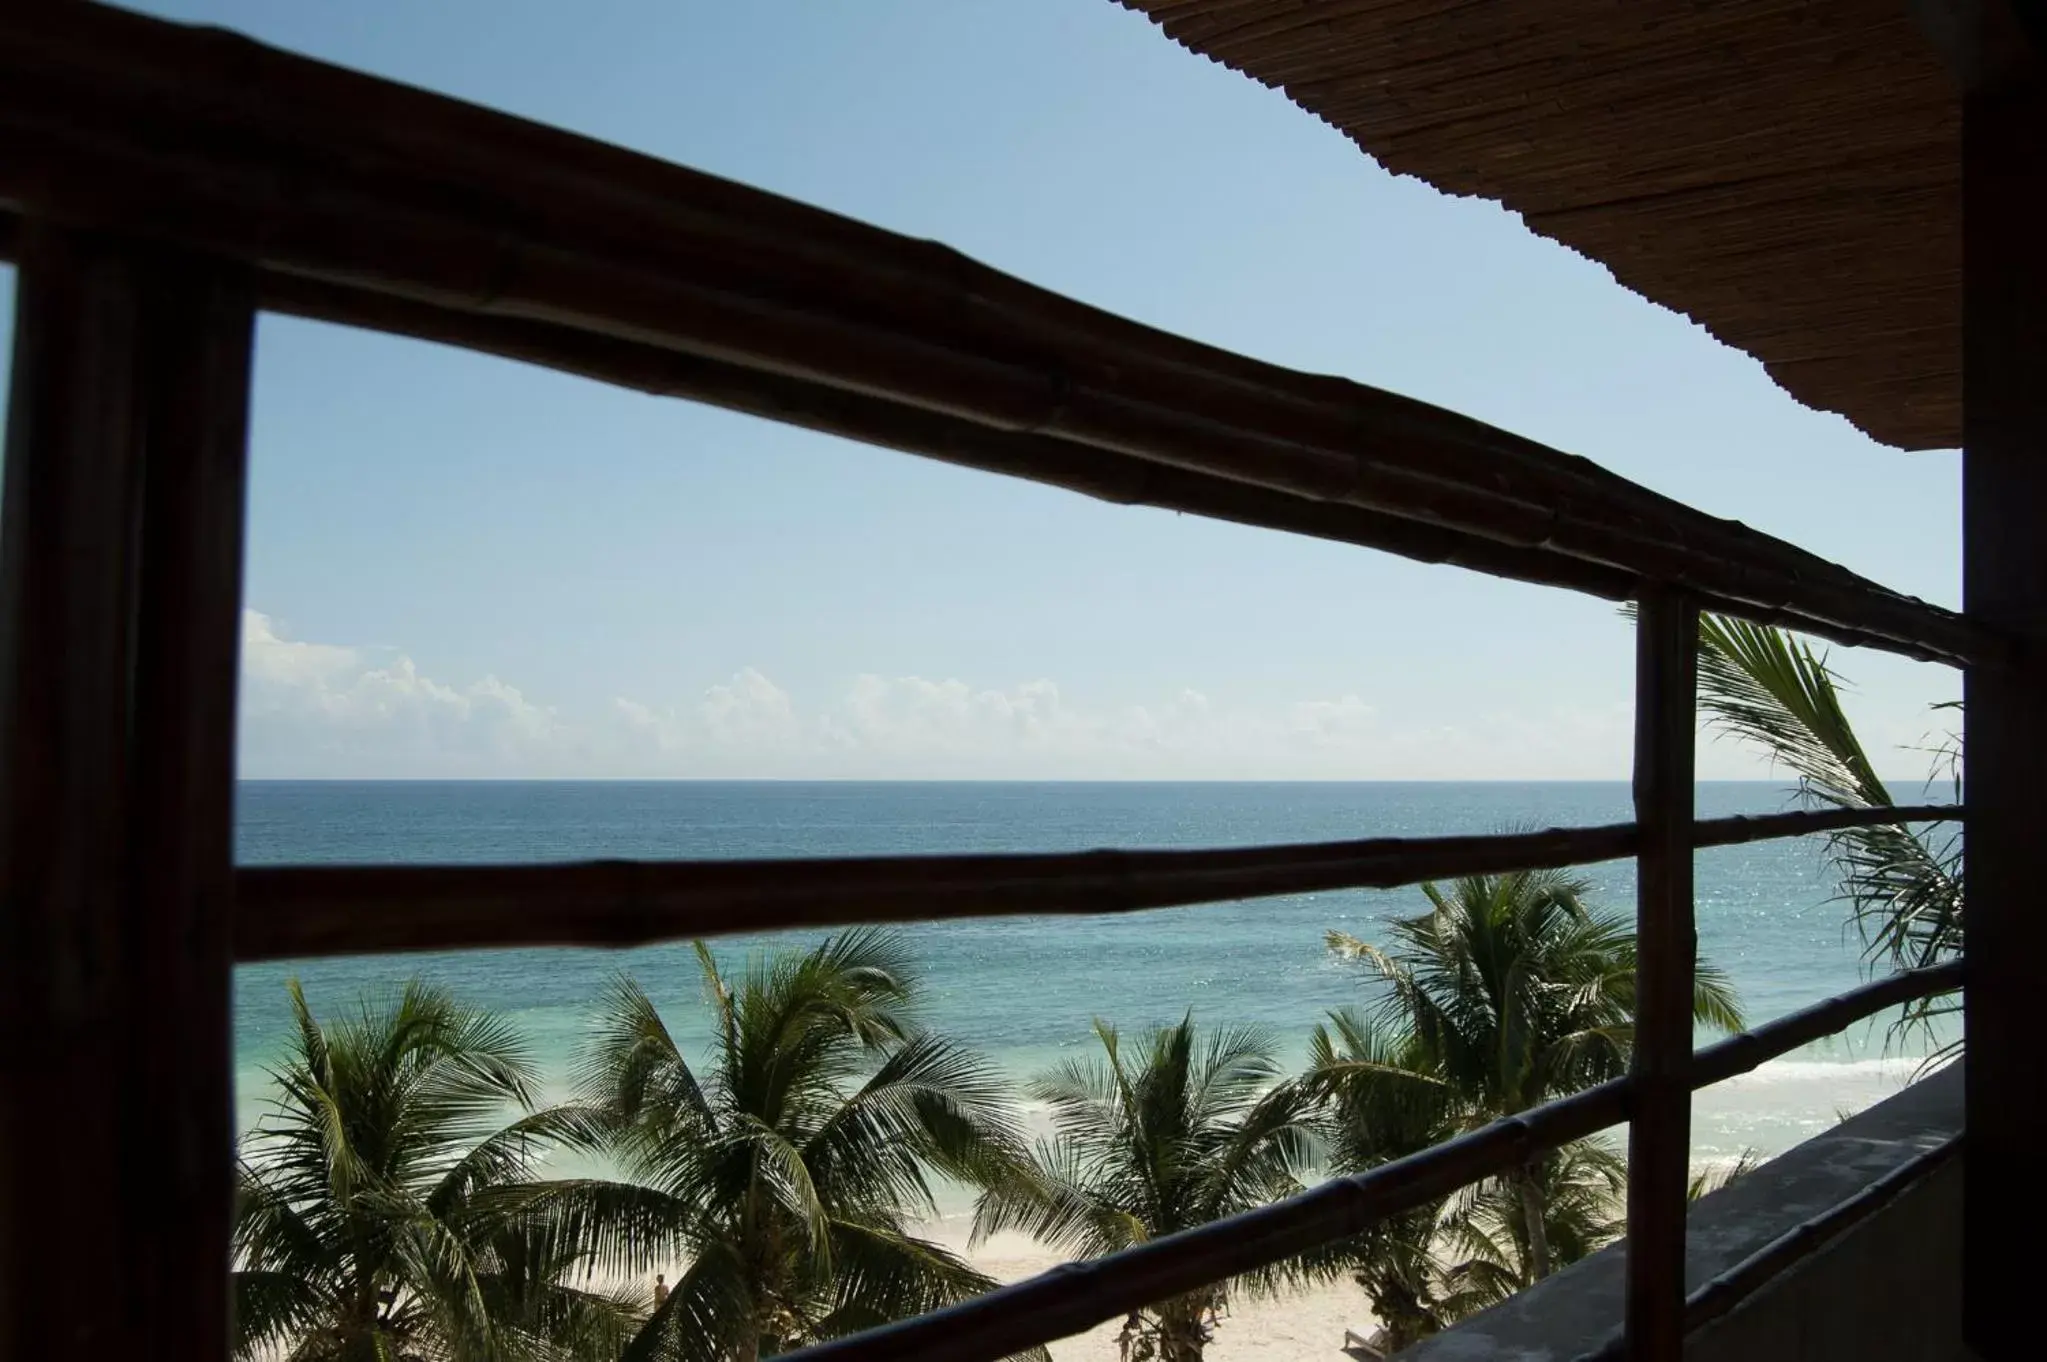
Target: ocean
1025, 991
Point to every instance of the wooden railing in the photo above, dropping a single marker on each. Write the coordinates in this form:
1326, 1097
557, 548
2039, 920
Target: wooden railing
364, 201
158, 184
283, 911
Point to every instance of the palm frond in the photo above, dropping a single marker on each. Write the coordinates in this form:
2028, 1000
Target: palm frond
364, 1222
816, 1129
707, 1316
887, 1275
1903, 885
1707, 1181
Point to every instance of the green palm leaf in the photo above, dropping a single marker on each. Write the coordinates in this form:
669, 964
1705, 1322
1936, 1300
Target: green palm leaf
1510, 991
1173, 1131
1902, 885
369, 1209
783, 1172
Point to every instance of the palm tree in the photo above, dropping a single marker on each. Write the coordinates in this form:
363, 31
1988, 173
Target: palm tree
1384, 1097
363, 1223
786, 1173
1582, 1192
1903, 886
1174, 1135
1380, 1099
1516, 993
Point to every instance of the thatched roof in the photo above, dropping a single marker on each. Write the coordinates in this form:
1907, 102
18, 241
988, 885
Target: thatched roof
1786, 173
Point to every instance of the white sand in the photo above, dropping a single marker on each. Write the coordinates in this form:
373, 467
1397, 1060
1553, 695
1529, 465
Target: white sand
1299, 1327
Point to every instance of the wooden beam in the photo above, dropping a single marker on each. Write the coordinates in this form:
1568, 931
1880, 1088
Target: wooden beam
2004, 585
294, 911
73, 482
1103, 474
309, 170
1660, 1109
1763, 827
180, 910
324, 910
1752, 1049
118, 562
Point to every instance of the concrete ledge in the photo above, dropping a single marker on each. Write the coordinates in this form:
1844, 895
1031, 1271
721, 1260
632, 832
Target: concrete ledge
1890, 1287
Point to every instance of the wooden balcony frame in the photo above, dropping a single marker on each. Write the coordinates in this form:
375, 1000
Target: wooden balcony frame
160, 184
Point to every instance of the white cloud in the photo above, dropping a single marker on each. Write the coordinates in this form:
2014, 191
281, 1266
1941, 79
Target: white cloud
911, 718
268, 660
749, 711
321, 709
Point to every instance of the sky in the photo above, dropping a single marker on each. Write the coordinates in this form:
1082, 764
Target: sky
462, 567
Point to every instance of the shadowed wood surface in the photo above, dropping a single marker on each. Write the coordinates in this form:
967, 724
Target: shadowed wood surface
74, 472
119, 605
2004, 582
1785, 172
1666, 949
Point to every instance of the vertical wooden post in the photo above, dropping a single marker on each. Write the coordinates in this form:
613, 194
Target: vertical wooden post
200, 333
120, 562
2004, 583
1660, 1120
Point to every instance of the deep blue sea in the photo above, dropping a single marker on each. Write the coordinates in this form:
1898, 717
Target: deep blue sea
1025, 990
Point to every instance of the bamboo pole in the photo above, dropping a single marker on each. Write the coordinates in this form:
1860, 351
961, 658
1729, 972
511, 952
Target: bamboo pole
2004, 585
118, 614
310, 170
286, 911
178, 916
1104, 475
1751, 827
1077, 1296
294, 911
1666, 951
73, 466
1750, 1050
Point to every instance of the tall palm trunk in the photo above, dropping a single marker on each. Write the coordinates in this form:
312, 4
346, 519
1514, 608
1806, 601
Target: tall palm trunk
1182, 1337
1534, 1221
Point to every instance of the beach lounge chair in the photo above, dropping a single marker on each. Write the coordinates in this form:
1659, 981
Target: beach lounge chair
1372, 1349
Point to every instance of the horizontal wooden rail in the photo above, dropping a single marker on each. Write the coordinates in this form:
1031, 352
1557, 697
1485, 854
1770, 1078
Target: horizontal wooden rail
324, 910
1720, 832
1070, 1299
309, 170
1751, 1049
1102, 474
321, 910
1718, 1297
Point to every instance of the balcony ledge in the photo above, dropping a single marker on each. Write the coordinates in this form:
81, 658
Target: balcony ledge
1888, 1287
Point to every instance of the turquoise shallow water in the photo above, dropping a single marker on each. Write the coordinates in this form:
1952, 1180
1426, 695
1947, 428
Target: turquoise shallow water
1025, 989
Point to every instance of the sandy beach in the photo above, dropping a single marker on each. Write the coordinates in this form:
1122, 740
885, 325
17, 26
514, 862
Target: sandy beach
1302, 1326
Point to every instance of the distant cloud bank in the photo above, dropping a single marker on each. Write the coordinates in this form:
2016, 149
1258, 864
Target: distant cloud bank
312, 709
